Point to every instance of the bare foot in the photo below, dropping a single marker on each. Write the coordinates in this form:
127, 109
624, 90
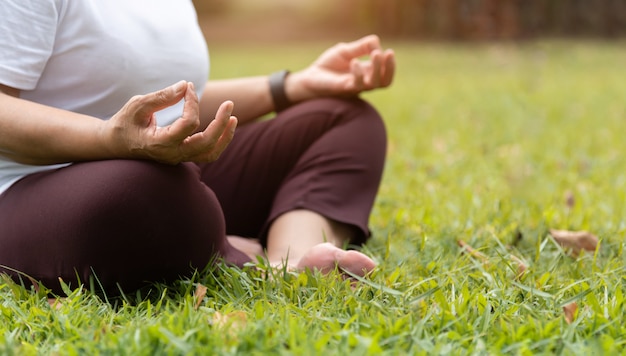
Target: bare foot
251, 247
326, 256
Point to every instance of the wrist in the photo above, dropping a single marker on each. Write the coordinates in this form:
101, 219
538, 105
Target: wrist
112, 138
288, 88
296, 89
277, 82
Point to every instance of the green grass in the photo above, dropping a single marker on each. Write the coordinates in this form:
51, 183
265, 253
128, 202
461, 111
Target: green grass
485, 142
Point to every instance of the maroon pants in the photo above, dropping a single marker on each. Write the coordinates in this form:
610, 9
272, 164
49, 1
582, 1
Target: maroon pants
128, 222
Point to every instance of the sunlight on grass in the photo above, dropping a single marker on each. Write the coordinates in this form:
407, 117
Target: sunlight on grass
486, 145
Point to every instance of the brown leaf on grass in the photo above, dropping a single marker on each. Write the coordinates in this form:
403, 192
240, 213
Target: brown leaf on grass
234, 320
576, 241
199, 295
473, 252
569, 311
521, 266
5, 277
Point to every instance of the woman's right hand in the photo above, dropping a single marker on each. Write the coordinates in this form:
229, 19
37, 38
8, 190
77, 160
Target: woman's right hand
133, 131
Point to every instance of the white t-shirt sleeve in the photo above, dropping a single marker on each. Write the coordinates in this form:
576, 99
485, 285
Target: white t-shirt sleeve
27, 33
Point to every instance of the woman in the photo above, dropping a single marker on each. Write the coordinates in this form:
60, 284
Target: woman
109, 170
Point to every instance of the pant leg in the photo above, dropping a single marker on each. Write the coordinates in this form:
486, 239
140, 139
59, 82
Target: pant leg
323, 155
128, 222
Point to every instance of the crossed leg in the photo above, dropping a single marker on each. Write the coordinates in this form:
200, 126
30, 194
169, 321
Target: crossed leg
303, 184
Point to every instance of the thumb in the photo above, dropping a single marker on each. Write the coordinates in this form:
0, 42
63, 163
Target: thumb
146, 105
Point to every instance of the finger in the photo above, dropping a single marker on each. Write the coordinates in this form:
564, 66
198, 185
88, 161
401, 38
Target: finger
388, 68
224, 139
206, 140
357, 75
212, 152
146, 105
190, 120
373, 79
222, 118
223, 114
360, 47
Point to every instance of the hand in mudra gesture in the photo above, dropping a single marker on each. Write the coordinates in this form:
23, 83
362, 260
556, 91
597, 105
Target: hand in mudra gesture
134, 132
345, 69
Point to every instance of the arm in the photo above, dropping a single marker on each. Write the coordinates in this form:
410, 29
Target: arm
36, 134
339, 71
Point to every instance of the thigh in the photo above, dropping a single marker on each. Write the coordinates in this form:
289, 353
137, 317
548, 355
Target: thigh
125, 222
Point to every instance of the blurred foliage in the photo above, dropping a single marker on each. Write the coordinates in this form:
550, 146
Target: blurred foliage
489, 19
437, 19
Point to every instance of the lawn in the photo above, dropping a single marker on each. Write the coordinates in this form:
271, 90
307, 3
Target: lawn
493, 145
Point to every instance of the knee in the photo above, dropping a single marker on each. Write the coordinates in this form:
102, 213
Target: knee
136, 193
157, 219
353, 111
365, 122
366, 118
135, 180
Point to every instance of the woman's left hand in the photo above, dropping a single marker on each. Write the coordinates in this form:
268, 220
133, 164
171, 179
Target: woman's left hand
342, 71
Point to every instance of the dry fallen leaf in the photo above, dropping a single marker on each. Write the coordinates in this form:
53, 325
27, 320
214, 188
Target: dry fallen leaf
235, 319
6, 277
199, 295
521, 266
473, 252
569, 310
577, 241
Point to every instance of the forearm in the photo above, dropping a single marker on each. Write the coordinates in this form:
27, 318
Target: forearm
36, 134
251, 97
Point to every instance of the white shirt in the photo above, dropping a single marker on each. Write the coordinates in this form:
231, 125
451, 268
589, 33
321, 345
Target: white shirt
92, 56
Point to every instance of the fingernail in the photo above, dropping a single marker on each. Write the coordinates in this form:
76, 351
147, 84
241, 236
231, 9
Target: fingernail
180, 86
234, 127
